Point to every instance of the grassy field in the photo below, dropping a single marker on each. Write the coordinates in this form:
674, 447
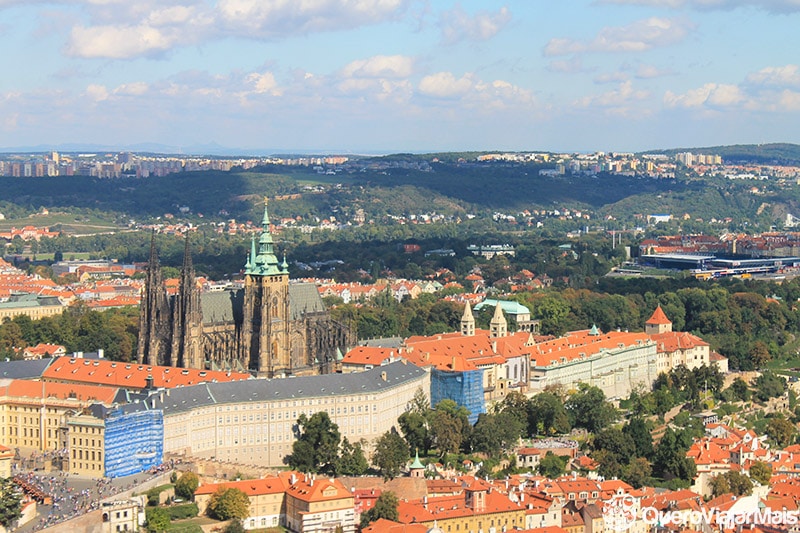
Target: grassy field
69, 223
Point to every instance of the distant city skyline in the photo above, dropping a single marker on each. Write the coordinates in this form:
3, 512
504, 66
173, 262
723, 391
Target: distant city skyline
386, 76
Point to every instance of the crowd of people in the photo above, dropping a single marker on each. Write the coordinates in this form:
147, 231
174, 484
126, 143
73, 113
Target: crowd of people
63, 496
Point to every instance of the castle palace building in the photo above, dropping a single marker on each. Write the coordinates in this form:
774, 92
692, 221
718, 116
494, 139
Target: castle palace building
270, 327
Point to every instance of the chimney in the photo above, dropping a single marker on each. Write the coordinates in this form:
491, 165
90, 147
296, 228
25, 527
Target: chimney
100, 353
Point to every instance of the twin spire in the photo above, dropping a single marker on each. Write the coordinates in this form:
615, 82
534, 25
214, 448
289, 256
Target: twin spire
262, 261
498, 327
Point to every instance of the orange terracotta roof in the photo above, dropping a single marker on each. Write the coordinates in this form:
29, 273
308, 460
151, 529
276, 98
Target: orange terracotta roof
448, 507
21, 388
658, 318
387, 526
369, 355
131, 375
322, 489
251, 487
673, 341
580, 344
46, 349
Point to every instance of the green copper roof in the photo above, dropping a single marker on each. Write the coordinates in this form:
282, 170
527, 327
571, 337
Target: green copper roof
417, 463
508, 307
264, 262
594, 331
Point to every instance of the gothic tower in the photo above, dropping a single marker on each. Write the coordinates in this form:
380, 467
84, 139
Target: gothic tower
498, 327
187, 318
154, 315
658, 322
468, 322
266, 342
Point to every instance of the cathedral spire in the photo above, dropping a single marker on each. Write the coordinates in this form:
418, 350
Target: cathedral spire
153, 260
498, 327
264, 262
187, 256
467, 322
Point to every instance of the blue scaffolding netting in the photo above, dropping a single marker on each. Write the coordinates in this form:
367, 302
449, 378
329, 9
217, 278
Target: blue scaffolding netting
134, 442
465, 388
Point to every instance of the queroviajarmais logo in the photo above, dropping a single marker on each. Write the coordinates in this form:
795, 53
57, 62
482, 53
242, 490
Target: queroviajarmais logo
619, 512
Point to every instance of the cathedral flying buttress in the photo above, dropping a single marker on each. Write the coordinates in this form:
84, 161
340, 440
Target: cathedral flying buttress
270, 326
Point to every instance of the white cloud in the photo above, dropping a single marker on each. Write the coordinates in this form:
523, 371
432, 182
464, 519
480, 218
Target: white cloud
646, 72
621, 97
470, 92
789, 101
710, 95
132, 89
124, 29
456, 25
96, 92
772, 6
572, 65
611, 77
635, 37
445, 85
270, 19
264, 83
380, 66
785, 76
118, 42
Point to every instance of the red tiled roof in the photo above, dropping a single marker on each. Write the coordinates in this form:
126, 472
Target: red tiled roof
22, 388
369, 355
131, 375
387, 526
658, 318
251, 487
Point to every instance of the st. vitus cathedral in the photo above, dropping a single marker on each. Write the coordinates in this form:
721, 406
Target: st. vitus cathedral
269, 327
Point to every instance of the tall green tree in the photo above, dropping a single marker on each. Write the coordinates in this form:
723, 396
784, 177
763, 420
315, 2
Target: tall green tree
186, 485
157, 520
450, 427
636, 429
229, 503
781, 431
317, 447
552, 465
670, 461
494, 433
385, 507
390, 454
588, 408
351, 461
761, 472
731, 482
10, 503
415, 430
547, 415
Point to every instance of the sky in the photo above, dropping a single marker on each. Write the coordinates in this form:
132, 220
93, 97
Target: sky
388, 76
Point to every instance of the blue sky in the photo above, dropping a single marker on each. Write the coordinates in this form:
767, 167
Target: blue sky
400, 75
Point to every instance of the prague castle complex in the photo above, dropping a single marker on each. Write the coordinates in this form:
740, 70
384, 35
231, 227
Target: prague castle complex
269, 327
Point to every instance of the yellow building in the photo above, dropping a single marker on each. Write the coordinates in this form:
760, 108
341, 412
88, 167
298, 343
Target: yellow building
298, 502
86, 445
480, 507
33, 414
6, 456
31, 305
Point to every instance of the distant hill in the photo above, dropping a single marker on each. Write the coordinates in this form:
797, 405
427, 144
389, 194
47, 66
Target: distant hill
774, 153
